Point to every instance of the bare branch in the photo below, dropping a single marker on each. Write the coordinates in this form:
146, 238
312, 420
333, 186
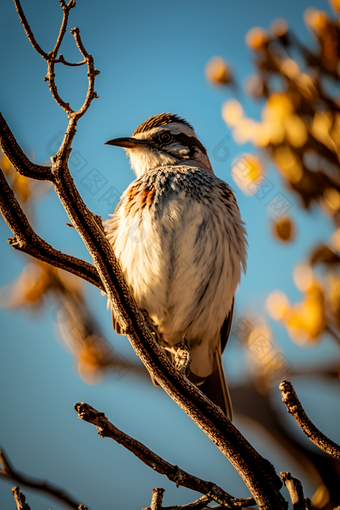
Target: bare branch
92, 73
27, 241
66, 10
174, 473
61, 60
157, 499
199, 504
294, 407
28, 30
9, 472
258, 474
18, 159
295, 491
20, 499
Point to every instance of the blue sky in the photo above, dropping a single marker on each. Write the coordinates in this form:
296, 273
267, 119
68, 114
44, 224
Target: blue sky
152, 57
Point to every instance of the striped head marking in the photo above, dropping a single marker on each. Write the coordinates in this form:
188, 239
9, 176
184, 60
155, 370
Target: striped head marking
162, 140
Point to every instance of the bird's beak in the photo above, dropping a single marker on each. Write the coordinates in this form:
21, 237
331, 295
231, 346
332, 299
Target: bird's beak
127, 143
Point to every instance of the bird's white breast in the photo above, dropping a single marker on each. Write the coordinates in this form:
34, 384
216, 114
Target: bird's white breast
183, 265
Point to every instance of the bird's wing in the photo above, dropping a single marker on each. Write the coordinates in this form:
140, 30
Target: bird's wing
226, 327
110, 226
215, 385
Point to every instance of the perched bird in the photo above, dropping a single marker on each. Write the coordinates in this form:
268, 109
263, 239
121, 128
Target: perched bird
180, 241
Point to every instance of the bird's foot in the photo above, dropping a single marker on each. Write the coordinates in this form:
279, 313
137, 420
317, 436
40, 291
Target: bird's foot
182, 357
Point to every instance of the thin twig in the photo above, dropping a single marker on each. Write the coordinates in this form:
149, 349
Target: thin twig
199, 504
174, 473
9, 472
27, 241
66, 10
295, 490
28, 30
20, 499
294, 407
61, 60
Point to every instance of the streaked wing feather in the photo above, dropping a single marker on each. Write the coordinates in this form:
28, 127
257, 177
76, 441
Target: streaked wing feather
226, 327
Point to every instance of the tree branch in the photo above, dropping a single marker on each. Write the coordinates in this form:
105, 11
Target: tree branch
66, 10
20, 499
294, 407
157, 499
174, 473
295, 491
28, 30
61, 60
9, 472
18, 159
199, 504
27, 241
258, 474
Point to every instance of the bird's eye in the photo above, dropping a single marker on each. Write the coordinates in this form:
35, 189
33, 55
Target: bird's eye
165, 137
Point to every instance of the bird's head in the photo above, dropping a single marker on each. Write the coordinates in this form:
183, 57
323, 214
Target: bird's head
163, 140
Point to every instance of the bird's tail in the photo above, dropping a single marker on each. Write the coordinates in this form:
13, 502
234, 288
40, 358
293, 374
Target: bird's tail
215, 386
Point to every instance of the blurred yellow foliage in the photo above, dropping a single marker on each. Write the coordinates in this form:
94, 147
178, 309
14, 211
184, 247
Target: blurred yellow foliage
290, 68
284, 229
335, 4
246, 169
332, 198
306, 320
334, 295
279, 27
89, 367
244, 131
36, 279
321, 497
254, 86
277, 305
256, 38
296, 131
317, 20
232, 112
280, 105
321, 126
218, 72
288, 164
303, 277
5, 164
335, 240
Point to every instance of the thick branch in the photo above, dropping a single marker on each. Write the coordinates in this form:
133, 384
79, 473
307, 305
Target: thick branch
294, 407
20, 499
151, 459
295, 490
27, 241
157, 499
9, 472
258, 474
18, 159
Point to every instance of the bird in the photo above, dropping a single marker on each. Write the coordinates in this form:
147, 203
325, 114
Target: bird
180, 241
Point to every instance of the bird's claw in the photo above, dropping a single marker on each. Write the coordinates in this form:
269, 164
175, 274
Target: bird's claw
182, 357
